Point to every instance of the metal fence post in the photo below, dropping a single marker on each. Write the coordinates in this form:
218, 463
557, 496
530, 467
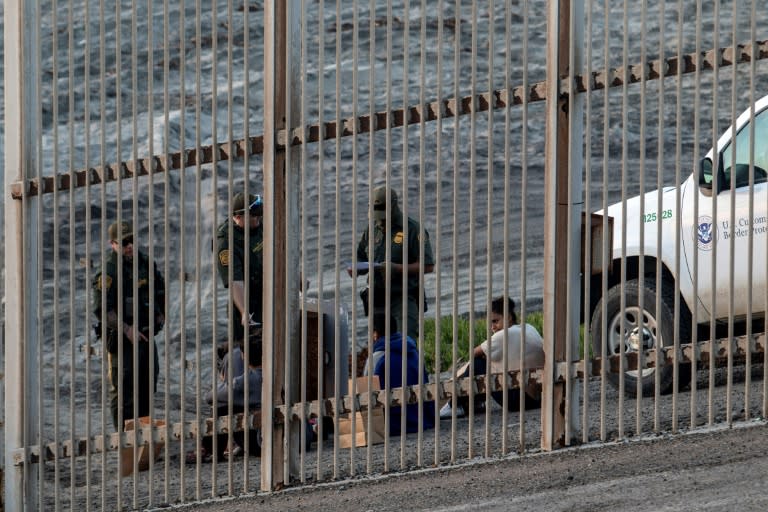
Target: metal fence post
21, 336
561, 240
281, 235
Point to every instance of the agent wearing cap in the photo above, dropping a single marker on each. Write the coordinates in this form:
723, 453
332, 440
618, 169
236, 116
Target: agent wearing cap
116, 288
235, 255
394, 236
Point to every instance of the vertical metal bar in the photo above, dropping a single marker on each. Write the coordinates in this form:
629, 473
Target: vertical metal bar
506, 224
22, 160
732, 244
371, 166
438, 218
489, 261
403, 299
337, 208
149, 191
751, 241
230, 269
624, 196
455, 230
246, 188
136, 228
549, 427
71, 249
304, 265
38, 261
352, 390
677, 306
181, 261
422, 217
320, 229
271, 458
166, 260
88, 273
659, 200
713, 275
388, 251
472, 231
641, 235
752, 81
523, 205
607, 251
678, 151
200, 393
56, 272
586, 352
214, 234
103, 242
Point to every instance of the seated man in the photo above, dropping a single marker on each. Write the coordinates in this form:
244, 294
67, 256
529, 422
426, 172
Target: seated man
219, 397
397, 344
534, 358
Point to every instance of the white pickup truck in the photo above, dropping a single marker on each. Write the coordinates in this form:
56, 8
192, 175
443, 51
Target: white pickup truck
722, 203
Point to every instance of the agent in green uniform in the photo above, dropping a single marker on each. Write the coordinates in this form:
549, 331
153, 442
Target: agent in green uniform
235, 256
116, 287
401, 261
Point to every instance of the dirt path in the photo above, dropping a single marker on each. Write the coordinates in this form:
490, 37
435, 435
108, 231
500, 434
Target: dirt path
725, 469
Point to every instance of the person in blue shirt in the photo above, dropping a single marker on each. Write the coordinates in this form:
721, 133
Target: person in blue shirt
398, 344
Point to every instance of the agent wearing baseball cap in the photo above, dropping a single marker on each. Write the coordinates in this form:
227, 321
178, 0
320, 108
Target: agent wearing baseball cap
235, 256
394, 236
116, 289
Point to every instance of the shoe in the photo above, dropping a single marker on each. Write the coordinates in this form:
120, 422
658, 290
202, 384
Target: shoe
191, 456
234, 452
446, 412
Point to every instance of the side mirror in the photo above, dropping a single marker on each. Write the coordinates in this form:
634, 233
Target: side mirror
705, 176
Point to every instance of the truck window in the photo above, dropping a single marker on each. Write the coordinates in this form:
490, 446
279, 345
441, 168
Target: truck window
741, 144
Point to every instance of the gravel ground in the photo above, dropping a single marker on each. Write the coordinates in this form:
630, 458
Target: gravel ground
467, 451
722, 469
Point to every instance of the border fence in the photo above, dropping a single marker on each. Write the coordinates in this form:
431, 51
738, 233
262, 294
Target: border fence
552, 152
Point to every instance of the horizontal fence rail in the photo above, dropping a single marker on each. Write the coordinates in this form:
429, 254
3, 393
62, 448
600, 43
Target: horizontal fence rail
413, 115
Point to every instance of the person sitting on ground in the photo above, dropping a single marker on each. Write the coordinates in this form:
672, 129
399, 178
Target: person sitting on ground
398, 343
534, 358
219, 398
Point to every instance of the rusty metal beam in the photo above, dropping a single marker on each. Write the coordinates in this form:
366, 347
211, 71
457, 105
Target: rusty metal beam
497, 99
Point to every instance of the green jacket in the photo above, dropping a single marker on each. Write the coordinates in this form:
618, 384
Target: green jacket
107, 283
396, 242
235, 257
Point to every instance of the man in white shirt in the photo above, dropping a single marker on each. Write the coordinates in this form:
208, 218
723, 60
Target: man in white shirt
517, 336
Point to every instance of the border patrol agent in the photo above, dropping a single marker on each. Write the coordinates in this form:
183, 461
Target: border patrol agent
134, 331
401, 262
235, 257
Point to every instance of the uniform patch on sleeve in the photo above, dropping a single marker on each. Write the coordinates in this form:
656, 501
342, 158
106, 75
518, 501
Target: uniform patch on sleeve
107, 282
398, 239
224, 258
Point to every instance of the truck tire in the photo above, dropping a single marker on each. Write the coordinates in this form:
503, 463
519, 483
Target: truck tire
656, 329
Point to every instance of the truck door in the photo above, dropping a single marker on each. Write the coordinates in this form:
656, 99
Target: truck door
711, 234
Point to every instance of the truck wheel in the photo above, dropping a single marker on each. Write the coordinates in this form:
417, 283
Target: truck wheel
642, 328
